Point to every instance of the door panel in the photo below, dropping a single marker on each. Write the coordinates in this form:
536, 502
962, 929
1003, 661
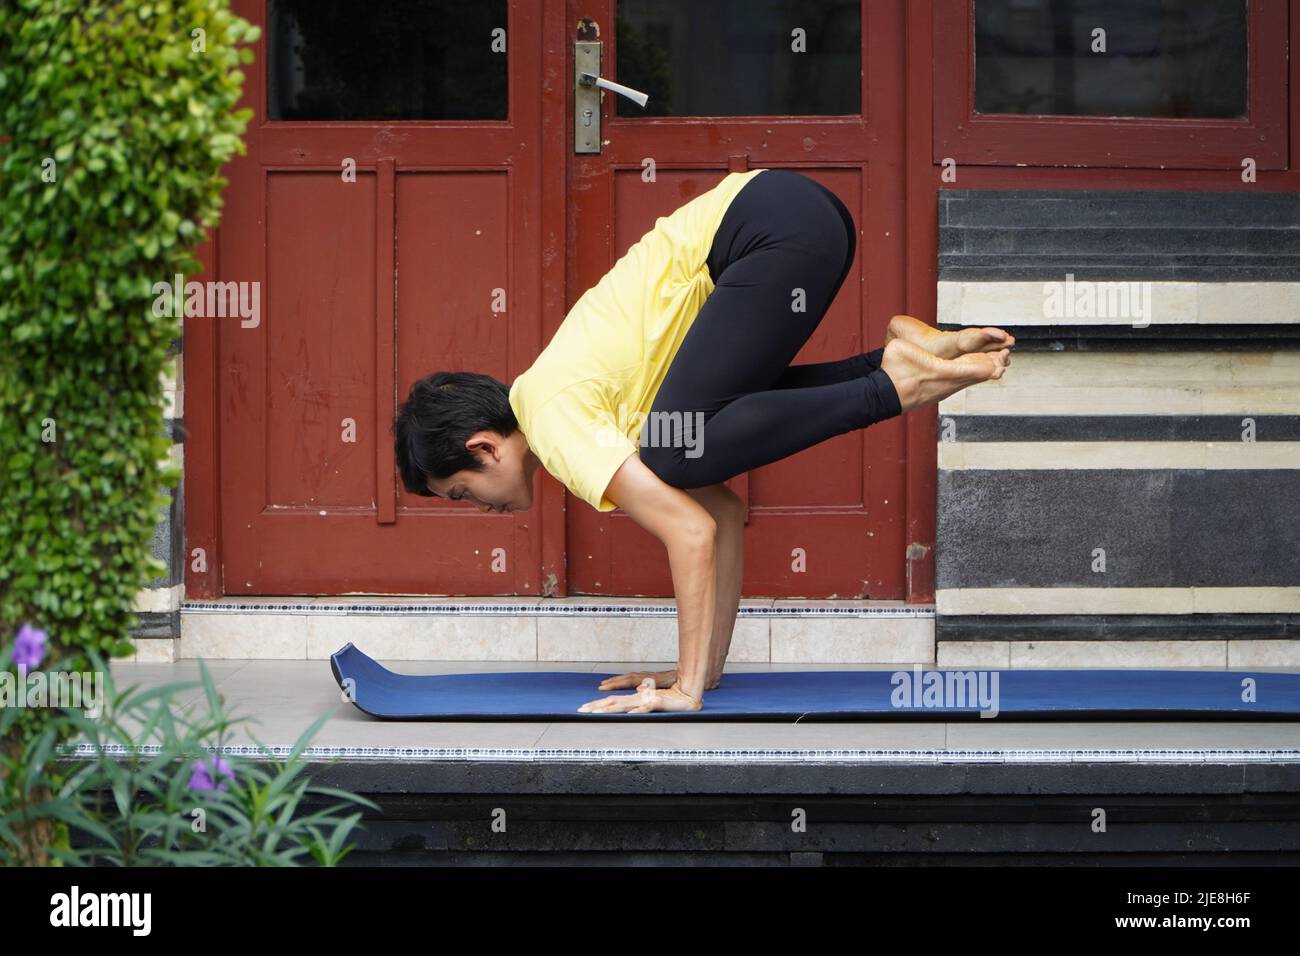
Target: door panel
826, 522
319, 359
452, 246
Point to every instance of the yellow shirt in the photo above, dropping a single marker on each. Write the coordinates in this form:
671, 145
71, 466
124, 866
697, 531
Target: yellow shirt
583, 402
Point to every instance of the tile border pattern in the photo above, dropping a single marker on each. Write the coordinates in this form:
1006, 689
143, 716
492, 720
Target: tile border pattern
538, 608
620, 755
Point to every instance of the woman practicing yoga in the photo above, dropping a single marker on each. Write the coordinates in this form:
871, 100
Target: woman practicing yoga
671, 375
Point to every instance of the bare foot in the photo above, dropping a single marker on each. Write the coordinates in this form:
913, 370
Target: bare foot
948, 345
922, 379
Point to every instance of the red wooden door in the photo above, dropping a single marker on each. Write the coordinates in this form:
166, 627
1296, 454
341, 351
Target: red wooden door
430, 259
446, 253
734, 86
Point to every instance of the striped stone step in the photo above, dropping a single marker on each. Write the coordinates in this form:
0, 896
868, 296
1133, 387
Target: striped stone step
540, 629
644, 630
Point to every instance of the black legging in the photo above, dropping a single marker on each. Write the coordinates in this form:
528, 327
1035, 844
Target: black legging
783, 232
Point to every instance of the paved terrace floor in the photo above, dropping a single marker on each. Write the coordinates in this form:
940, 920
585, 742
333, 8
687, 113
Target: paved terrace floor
642, 793
283, 698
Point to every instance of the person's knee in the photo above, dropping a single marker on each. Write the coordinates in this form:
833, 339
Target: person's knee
845, 250
721, 502
673, 467
666, 464
728, 506
850, 245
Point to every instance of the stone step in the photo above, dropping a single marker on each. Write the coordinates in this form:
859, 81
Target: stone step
582, 628
644, 631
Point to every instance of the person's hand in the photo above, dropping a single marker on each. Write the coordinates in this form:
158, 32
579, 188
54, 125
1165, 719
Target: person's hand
661, 679
628, 681
646, 699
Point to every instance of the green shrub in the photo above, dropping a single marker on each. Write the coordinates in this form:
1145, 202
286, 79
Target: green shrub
150, 791
114, 127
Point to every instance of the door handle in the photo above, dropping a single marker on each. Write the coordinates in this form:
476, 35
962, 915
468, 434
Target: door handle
587, 84
636, 96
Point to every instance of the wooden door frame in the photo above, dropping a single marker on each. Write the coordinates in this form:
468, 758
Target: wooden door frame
557, 140
1152, 142
201, 375
202, 467
921, 213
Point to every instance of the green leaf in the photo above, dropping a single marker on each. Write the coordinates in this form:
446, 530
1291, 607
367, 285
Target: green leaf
78, 259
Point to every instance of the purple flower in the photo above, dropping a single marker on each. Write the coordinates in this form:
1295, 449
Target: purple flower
29, 649
203, 776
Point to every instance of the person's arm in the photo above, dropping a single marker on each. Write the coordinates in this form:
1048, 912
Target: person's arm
687, 531
728, 513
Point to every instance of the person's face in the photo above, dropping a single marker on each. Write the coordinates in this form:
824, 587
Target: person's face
506, 482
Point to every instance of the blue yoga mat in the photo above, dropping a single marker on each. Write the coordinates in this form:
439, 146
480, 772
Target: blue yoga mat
833, 695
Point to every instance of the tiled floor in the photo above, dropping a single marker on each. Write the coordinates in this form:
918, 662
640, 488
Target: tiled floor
284, 697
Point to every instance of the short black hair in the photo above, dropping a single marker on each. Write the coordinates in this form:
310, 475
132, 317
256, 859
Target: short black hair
442, 411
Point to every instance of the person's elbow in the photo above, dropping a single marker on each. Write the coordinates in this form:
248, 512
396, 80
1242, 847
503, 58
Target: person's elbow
679, 521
